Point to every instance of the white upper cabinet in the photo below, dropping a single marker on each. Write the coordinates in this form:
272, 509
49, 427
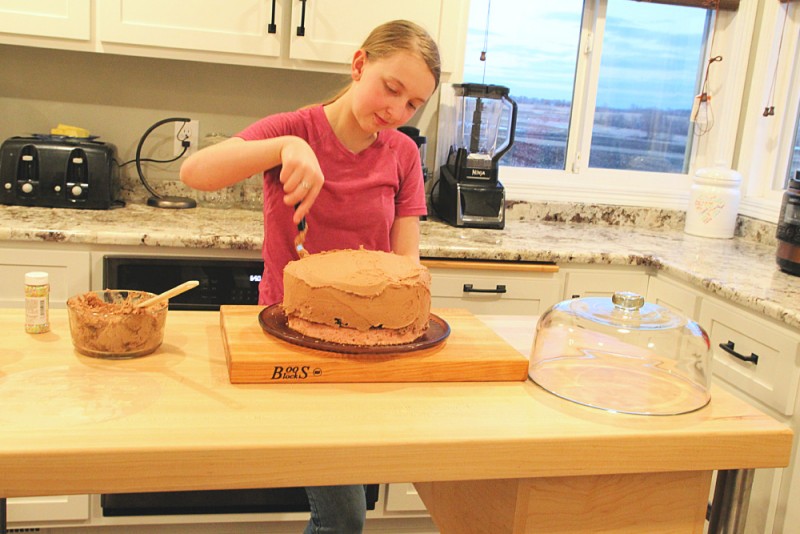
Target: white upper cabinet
318, 35
63, 19
241, 27
330, 30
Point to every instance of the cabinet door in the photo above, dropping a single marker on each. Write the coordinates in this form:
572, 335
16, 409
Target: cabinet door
403, 497
67, 19
212, 25
68, 270
331, 30
674, 296
37, 510
600, 281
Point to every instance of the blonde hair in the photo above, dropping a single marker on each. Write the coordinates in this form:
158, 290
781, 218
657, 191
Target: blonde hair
396, 36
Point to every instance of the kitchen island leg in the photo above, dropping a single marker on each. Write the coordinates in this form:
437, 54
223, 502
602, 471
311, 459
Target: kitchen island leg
632, 503
729, 505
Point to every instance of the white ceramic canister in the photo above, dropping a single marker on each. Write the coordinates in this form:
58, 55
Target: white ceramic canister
713, 203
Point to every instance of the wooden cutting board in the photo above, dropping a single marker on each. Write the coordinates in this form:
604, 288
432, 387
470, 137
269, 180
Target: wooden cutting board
471, 353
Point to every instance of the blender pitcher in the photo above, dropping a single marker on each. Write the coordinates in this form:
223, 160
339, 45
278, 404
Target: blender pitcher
477, 125
486, 118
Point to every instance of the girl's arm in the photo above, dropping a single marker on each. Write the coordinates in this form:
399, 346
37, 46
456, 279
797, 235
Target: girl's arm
404, 236
235, 159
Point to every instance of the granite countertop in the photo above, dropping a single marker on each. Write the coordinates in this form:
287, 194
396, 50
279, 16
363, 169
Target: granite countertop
739, 270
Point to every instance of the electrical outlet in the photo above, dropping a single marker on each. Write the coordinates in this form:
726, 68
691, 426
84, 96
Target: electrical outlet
186, 131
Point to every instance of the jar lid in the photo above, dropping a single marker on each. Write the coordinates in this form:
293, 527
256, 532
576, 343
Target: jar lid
625, 310
718, 176
36, 278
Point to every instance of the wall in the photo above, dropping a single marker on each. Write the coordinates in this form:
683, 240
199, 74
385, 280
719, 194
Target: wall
119, 97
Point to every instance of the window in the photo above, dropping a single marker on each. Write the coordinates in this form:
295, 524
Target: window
648, 80
539, 72
769, 146
605, 91
651, 56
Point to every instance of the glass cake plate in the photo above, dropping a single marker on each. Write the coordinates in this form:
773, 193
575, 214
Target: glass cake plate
273, 321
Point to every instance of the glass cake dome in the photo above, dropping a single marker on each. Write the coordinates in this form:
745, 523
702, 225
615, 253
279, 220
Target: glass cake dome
623, 355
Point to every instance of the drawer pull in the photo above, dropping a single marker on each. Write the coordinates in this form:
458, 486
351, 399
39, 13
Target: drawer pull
468, 288
728, 347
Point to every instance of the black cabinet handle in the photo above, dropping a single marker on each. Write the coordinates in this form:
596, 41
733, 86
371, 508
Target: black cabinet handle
468, 288
272, 27
728, 347
301, 30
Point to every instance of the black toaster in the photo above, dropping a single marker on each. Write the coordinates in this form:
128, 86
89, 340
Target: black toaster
58, 172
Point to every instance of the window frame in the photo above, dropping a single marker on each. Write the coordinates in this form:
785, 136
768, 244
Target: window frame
765, 148
580, 183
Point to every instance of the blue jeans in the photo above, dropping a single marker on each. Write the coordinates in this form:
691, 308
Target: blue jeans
336, 509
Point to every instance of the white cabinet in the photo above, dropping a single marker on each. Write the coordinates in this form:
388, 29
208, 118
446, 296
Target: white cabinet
316, 35
494, 288
753, 354
41, 510
663, 291
241, 27
403, 497
602, 280
330, 30
68, 273
67, 19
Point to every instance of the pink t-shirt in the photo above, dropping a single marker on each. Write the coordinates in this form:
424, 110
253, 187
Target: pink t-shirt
362, 195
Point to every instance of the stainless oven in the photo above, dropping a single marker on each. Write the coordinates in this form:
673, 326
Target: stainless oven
222, 281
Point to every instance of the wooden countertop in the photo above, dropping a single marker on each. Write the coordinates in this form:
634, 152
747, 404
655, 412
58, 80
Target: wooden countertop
172, 421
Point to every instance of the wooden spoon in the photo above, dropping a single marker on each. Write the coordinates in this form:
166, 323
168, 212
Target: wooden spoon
177, 290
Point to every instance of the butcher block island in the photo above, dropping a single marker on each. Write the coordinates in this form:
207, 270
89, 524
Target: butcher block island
471, 352
500, 457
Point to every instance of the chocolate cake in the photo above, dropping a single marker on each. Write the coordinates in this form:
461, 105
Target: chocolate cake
357, 297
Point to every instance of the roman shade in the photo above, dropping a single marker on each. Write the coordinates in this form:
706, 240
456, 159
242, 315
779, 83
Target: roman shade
728, 5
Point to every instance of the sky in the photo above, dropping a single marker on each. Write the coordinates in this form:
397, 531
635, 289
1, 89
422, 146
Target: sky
650, 58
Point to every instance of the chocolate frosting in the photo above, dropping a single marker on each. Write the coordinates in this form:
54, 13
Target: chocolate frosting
359, 289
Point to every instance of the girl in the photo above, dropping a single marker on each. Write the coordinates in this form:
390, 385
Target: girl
362, 177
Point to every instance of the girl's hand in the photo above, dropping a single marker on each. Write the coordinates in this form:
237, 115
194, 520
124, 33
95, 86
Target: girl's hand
301, 176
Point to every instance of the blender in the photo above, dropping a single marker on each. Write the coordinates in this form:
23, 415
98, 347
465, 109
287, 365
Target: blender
479, 129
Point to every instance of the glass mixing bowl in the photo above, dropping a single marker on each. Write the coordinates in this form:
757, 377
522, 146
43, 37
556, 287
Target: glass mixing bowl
623, 355
107, 324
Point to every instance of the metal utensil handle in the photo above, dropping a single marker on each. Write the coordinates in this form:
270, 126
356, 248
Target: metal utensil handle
728, 347
500, 288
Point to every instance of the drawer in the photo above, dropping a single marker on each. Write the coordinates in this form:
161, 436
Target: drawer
494, 291
773, 379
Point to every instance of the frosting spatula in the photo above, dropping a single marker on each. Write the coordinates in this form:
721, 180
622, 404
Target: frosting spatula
299, 239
